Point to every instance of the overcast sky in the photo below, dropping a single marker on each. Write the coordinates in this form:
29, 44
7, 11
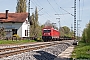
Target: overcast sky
52, 7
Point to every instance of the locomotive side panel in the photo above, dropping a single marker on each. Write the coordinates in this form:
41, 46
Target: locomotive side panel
55, 34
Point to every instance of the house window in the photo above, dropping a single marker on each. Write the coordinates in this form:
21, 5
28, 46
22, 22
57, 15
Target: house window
26, 32
14, 31
1, 22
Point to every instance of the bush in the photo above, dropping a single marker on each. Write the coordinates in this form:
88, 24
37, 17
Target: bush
15, 35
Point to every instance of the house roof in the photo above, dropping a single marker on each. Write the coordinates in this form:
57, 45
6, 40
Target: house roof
13, 17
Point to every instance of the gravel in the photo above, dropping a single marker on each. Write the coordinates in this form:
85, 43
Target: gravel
48, 53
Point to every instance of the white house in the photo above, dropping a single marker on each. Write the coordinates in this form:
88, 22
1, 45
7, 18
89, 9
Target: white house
15, 23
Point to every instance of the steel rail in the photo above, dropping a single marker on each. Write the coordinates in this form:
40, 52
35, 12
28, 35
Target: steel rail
5, 52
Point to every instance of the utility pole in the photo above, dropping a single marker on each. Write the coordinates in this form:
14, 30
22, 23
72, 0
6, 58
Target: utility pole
71, 27
29, 11
78, 21
77, 29
59, 23
74, 19
53, 25
29, 19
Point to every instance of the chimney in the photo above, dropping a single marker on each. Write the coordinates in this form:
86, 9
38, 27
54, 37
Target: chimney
7, 14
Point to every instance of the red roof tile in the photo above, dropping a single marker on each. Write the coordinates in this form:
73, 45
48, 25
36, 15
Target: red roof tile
13, 17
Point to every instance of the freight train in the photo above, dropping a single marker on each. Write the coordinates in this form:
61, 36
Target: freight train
50, 34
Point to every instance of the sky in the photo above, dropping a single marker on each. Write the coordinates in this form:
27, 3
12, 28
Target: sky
52, 7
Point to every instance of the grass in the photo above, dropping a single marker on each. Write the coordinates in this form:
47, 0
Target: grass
16, 41
82, 51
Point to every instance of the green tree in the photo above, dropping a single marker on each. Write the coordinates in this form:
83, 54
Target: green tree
2, 32
86, 34
32, 27
61, 31
65, 31
35, 29
21, 6
36, 16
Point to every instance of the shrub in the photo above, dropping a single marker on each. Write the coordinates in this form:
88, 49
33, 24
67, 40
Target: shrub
15, 35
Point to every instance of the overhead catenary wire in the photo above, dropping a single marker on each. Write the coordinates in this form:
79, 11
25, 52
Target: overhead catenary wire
49, 16
62, 9
41, 11
51, 6
55, 12
66, 11
59, 9
36, 5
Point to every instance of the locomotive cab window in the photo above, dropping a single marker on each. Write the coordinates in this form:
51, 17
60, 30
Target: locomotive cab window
47, 31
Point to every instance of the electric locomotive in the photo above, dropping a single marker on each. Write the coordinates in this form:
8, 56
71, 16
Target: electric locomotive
49, 33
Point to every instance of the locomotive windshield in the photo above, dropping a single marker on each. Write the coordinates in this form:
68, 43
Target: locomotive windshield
46, 31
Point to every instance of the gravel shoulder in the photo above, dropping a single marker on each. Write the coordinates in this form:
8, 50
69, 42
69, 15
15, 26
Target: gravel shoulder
48, 53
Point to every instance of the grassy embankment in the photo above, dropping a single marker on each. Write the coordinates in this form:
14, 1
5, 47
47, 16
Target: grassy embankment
16, 41
82, 51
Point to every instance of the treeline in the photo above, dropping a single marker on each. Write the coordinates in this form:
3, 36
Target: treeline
86, 34
36, 28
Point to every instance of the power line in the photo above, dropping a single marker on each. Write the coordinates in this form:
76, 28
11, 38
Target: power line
43, 8
57, 4
39, 6
35, 3
66, 11
63, 9
59, 9
51, 6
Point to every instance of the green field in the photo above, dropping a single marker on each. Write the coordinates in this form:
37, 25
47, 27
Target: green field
82, 51
16, 41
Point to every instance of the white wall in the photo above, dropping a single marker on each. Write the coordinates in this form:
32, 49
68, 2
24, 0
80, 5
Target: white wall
25, 26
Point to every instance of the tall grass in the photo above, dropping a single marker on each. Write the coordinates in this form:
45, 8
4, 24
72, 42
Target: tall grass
82, 51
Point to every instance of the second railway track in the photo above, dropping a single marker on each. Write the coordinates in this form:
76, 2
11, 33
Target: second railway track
14, 50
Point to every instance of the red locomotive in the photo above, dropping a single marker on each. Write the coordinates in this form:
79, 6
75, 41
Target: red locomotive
49, 33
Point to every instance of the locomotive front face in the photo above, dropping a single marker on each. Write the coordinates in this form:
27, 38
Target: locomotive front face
46, 34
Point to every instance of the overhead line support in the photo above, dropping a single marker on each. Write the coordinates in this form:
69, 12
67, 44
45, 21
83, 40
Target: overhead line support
29, 19
74, 19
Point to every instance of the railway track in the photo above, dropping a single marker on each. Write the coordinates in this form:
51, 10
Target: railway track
14, 50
